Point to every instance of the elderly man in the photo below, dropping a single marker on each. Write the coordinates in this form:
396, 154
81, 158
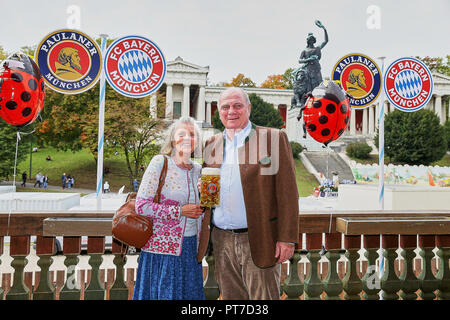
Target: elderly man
255, 228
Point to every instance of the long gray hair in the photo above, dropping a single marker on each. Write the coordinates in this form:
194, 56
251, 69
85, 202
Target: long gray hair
167, 146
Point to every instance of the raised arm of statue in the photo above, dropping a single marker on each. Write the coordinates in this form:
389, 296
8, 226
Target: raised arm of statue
320, 25
326, 38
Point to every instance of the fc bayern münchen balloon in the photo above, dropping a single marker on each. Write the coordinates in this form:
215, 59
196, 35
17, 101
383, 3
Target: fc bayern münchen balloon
327, 112
21, 90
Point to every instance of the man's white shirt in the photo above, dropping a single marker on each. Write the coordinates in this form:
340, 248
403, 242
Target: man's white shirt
231, 213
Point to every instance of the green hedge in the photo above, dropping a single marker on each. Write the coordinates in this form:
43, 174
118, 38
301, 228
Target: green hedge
296, 149
358, 150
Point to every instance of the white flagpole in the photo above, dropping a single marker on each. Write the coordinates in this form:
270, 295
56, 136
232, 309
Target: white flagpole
101, 126
381, 167
381, 144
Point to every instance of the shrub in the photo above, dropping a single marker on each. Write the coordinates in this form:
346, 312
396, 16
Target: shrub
447, 133
358, 150
296, 149
414, 138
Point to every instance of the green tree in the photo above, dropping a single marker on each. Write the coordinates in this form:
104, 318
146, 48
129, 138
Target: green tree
130, 128
3, 54
413, 137
241, 81
262, 114
437, 64
447, 133
8, 141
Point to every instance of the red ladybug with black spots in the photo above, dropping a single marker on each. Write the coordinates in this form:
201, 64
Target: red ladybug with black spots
327, 112
21, 90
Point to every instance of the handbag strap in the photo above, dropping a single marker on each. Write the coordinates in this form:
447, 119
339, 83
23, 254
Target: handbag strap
162, 178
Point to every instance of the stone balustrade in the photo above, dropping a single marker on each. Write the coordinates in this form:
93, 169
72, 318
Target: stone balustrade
329, 263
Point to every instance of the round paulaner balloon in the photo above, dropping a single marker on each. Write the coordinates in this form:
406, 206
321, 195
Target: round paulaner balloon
327, 112
21, 90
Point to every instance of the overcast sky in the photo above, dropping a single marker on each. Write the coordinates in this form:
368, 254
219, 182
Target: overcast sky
257, 38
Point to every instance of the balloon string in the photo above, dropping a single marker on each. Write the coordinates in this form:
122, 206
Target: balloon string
14, 177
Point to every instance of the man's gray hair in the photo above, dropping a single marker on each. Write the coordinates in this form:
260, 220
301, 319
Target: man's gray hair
167, 147
240, 90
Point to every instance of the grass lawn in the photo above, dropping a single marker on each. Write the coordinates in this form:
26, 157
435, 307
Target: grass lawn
80, 165
306, 182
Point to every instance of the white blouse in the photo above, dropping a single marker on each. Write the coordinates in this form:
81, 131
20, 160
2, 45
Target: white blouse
180, 185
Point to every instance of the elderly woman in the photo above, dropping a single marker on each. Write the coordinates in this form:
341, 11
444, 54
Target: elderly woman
168, 269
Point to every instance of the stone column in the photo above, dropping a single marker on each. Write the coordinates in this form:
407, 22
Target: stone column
169, 101
186, 104
201, 104
372, 119
365, 130
430, 105
208, 112
438, 109
353, 122
153, 106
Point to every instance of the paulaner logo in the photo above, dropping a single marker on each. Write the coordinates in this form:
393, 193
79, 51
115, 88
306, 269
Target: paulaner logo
360, 77
134, 66
69, 60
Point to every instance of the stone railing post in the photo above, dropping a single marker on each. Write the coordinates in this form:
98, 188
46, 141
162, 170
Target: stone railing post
427, 282
332, 284
410, 283
352, 284
119, 290
71, 250
95, 249
292, 285
19, 249
370, 280
390, 283
443, 275
45, 248
210, 286
313, 285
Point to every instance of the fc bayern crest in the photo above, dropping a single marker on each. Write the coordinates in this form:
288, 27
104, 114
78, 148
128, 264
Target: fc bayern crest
408, 84
135, 66
360, 77
69, 60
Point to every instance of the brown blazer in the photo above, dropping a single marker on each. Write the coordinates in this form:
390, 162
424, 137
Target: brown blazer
270, 191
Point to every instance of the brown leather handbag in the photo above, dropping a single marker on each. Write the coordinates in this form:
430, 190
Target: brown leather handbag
128, 226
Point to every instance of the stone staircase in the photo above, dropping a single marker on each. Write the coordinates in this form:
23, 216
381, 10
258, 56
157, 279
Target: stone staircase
327, 162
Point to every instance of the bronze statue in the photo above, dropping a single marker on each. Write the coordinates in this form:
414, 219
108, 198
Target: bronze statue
311, 55
308, 75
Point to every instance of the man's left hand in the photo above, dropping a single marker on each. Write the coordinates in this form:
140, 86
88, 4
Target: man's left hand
284, 251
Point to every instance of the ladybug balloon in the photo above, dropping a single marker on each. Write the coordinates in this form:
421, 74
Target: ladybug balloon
327, 112
21, 90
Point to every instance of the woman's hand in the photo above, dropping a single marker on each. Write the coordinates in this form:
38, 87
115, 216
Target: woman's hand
191, 210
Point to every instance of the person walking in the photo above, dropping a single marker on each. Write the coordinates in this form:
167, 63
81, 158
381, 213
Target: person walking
64, 180
45, 181
41, 181
69, 182
255, 227
38, 180
24, 179
106, 187
168, 268
135, 185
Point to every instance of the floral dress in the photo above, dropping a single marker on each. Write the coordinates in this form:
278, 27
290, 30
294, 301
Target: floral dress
168, 269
